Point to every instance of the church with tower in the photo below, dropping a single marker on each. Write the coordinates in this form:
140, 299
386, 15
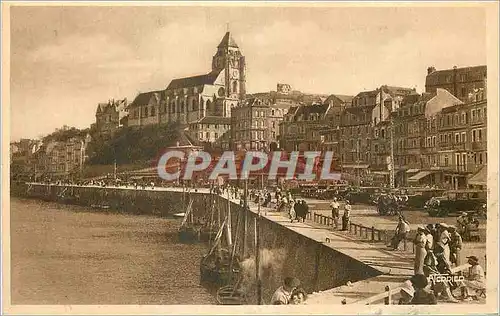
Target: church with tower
201, 104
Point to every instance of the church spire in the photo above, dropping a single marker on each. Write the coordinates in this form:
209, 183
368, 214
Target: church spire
227, 40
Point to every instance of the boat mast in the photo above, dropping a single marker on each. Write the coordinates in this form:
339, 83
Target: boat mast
245, 218
228, 225
257, 255
212, 204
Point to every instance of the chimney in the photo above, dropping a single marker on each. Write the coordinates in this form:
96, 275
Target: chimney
430, 70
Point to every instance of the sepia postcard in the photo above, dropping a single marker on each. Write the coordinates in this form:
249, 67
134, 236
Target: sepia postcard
249, 158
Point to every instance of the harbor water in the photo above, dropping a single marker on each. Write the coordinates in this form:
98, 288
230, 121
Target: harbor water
65, 254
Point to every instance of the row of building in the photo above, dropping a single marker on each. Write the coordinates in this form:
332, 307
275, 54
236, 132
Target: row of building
52, 157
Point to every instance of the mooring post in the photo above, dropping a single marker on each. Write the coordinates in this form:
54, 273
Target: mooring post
388, 299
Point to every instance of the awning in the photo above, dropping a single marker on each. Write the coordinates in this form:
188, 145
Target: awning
412, 170
381, 172
420, 175
480, 177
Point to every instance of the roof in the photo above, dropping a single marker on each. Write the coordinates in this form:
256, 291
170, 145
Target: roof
311, 109
442, 71
397, 90
227, 41
344, 98
215, 120
143, 98
199, 80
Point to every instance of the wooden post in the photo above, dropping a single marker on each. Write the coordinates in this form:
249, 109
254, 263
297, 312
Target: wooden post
379, 235
388, 299
373, 233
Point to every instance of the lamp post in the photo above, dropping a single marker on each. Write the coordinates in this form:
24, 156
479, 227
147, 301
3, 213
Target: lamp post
391, 171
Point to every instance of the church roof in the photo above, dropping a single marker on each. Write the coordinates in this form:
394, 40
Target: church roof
227, 41
193, 81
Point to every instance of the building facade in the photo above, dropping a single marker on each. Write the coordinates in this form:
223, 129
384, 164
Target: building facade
108, 116
458, 81
62, 159
255, 123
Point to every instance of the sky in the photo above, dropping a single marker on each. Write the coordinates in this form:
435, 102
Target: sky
65, 60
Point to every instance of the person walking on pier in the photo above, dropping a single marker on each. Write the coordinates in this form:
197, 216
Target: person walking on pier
420, 251
346, 218
335, 212
455, 246
402, 231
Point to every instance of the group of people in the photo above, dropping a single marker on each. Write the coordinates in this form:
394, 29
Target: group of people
437, 249
421, 289
289, 293
346, 216
390, 204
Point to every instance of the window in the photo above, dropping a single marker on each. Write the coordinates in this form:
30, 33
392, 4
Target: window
473, 135
457, 138
446, 160
207, 135
464, 118
274, 124
479, 135
479, 113
464, 161
480, 158
433, 141
235, 87
473, 115
146, 111
463, 137
463, 77
153, 111
216, 135
464, 92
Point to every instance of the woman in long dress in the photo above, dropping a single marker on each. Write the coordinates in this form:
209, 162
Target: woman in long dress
420, 251
291, 211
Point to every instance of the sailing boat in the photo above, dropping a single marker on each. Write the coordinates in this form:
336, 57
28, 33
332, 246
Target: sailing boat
232, 294
188, 233
221, 264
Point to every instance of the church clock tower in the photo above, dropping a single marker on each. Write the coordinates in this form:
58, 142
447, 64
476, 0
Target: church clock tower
230, 60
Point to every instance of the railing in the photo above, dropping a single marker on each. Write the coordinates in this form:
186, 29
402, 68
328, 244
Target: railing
367, 233
388, 293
